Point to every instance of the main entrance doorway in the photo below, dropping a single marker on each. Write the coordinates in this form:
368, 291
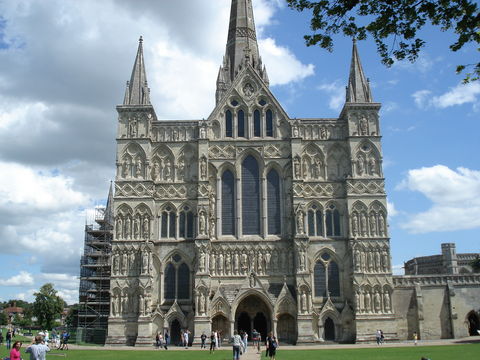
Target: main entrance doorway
253, 313
329, 330
175, 329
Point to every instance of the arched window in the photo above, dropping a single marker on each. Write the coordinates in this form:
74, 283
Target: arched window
183, 282
315, 221
273, 198
228, 203
333, 279
319, 279
326, 276
170, 288
168, 223
332, 221
228, 124
241, 124
250, 197
257, 131
186, 223
269, 123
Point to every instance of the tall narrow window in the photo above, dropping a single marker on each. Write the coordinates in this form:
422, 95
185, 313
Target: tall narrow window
333, 279
183, 282
164, 224
311, 223
273, 197
182, 225
250, 197
228, 124
228, 202
257, 124
172, 226
170, 282
269, 123
332, 221
315, 221
319, 279
186, 223
190, 225
241, 123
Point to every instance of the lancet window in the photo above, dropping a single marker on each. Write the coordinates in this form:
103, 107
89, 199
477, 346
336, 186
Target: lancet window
168, 223
332, 220
257, 130
177, 279
326, 276
228, 203
315, 221
250, 197
228, 124
186, 223
241, 123
269, 123
273, 198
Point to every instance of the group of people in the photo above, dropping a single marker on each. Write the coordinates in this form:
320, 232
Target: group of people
37, 350
162, 340
380, 337
240, 343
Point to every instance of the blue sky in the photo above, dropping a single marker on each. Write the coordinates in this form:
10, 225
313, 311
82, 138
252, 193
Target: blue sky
64, 67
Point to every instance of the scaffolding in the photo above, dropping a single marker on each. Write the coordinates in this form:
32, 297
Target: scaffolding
94, 296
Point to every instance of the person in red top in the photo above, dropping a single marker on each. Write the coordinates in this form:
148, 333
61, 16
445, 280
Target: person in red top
15, 352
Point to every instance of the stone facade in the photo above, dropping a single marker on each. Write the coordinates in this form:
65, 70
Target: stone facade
250, 219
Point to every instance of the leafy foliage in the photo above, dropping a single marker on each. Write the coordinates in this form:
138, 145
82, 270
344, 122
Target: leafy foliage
395, 21
47, 306
3, 318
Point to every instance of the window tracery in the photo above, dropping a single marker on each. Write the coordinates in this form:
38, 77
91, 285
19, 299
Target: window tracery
326, 276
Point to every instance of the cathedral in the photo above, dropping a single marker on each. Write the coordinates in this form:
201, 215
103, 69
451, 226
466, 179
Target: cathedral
250, 219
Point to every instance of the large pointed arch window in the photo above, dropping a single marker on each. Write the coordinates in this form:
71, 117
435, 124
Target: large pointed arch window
250, 197
177, 279
269, 123
320, 279
332, 219
326, 276
183, 282
170, 284
241, 123
273, 198
257, 131
228, 124
228, 203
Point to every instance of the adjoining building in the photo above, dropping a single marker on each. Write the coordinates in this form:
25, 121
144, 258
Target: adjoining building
94, 292
251, 219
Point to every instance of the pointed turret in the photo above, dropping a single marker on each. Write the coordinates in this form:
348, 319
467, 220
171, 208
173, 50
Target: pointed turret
242, 46
358, 89
137, 92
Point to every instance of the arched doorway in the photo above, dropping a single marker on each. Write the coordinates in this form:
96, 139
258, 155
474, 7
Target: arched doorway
286, 329
221, 323
329, 328
253, 313
175, 329
473, 323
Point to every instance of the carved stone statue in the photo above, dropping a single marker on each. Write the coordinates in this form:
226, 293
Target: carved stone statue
385, 260
372, 166
203, 303
360, 165
377, 261
133, 127
145, 262
244, 262
181, 169
296, 167
211, 205
202, 223
201, 262
146, 227
252, 280
386, 301
367, 302
220, 264
235, 263
118, 228
363, 224
212, 228
136, 228
381, 224
300, 223
138, 168
203, 168
377, 302
323, 133
128, 228
125, 168
156, 171
303, 302
124, 263
363, 126
373, 225
167, 171
357, 259
355, 224
295, 132
212, 263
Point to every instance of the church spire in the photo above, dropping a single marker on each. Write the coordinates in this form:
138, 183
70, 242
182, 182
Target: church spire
242, 43
358, 89
137, 92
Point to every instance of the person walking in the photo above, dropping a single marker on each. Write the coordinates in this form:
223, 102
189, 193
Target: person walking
237, 345
272, 345
245, 341
415, 338
213, 342
38, 349
378, 337
8, 339
15, 352
203, 338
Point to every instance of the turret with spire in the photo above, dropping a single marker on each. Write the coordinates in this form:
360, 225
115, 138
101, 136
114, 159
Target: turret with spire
242, 47
358, 89
137, 92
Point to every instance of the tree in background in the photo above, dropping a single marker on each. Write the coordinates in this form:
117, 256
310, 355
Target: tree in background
3, 318
395, 22
47, 306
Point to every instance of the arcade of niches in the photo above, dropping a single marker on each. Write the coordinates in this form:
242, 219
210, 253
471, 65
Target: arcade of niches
250, 219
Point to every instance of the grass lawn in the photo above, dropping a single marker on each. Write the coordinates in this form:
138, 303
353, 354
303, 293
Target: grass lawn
468, 351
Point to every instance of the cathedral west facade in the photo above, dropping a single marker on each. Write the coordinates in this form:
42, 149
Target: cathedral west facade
250, 219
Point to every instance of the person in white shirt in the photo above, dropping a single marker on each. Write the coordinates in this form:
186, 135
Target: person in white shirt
38, 350
238, 346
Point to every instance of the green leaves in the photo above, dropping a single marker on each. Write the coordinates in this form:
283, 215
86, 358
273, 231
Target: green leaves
394, 25
47, 306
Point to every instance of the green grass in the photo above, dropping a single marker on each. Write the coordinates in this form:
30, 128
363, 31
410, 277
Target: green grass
467, 351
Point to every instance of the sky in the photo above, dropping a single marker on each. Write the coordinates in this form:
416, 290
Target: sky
64, 64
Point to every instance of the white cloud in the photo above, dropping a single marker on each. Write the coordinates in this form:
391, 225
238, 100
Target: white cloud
455, 197
458, 95
392, 211
22, 279
336, 90
398, 270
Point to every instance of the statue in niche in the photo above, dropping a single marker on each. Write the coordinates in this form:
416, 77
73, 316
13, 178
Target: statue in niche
357, 302
367, 299
202, 223
363, 224
203, 303
357, 259
386, 301
136, 228
124, 263
212, 263
303, 301
259, 263
323, 133
295, 131
115, 266
118, 228
138, 168
381, 224
304, 168
211, 204
372, 166
296, 167
141, 305
125, 168
228, 263
355, 224
363, 126
363, 258
131, 261
244, 262
203, 168
220, 264
252, 280
377, 261
385, 260
181, 169
156, 171
201, 262
167, 171
133, 127
235, 263
203, 132
212, 228
128, 228
300, 222
360, 165
373, 225
146, 227
377, 302
145, 263
370, 261
248, 90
